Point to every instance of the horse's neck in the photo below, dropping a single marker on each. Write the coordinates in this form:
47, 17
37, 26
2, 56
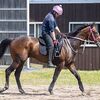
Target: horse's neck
75, 43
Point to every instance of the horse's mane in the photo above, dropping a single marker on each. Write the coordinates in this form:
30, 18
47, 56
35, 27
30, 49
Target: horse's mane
73, 34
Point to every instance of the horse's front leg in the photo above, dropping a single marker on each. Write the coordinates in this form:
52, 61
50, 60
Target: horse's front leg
75, 73
55, 76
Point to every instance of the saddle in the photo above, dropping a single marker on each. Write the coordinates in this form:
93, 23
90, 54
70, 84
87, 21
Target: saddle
43, 48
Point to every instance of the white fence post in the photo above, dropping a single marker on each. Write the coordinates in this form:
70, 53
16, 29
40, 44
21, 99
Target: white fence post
28, 32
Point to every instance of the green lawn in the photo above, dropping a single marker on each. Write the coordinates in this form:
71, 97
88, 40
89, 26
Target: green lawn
43, 76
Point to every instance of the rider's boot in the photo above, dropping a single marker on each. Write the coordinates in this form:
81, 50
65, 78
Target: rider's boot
50, 53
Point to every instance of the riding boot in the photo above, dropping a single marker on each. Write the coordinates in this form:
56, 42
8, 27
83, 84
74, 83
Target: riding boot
50, 53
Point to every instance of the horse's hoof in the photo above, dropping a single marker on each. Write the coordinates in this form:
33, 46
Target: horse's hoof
1, 90
21, 91
83, 94
4, 89
81, 88
51, 92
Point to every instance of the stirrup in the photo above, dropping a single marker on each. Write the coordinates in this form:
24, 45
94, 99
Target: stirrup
50, 65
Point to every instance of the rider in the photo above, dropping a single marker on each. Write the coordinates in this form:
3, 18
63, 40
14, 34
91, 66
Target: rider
49, 28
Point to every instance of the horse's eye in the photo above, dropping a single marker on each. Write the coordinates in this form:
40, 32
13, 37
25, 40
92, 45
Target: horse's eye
95, 32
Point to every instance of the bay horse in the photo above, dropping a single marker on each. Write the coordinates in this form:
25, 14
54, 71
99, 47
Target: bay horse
26, 46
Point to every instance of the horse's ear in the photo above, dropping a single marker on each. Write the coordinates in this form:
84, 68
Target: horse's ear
93, 24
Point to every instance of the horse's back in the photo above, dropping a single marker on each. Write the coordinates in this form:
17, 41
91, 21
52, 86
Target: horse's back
21, 46
23, 42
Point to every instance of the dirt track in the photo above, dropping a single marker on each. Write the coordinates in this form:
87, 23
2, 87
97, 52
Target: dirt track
60, 93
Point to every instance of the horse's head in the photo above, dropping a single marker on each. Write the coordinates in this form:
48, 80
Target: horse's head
90, 33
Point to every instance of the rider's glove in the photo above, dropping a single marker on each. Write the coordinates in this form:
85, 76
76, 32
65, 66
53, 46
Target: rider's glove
55, 42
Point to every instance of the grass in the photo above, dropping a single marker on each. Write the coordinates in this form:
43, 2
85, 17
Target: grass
43, 76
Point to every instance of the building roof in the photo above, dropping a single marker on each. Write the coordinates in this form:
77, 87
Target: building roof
64, 1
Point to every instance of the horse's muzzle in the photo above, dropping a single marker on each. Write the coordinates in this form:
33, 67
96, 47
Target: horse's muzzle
98, 44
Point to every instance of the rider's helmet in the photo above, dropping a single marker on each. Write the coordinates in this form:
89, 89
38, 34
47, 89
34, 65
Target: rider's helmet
58, 9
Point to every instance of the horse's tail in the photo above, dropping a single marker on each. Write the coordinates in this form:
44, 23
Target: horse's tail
3, 46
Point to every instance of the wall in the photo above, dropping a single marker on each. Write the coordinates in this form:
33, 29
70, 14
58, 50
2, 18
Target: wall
13, 21
72, 12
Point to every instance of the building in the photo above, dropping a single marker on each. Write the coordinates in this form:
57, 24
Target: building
76, 13
13, 21
24, 17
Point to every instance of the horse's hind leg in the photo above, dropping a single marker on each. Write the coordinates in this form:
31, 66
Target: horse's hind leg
17, 76
8, 71
55, 76
75, 73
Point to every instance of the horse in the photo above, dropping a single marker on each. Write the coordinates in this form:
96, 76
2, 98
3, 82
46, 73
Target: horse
24, 47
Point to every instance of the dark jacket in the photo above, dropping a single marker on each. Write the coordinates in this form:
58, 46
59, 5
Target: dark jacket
49, 24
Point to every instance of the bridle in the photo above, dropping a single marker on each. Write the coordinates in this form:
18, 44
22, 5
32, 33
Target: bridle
91, 31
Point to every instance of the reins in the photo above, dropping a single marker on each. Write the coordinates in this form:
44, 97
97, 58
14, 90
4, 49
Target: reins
91, 31
74, 51
89, 41
85, 42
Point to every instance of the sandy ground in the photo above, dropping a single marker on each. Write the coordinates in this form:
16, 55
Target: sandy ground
60, 93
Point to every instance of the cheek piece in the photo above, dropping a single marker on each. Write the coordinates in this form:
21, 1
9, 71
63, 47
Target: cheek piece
91, 30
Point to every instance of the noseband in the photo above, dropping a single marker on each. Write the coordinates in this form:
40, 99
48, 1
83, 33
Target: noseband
91, 30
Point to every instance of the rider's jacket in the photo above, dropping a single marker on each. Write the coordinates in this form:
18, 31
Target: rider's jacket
49, 24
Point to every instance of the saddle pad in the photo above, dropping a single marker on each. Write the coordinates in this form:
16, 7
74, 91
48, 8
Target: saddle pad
41, 41
43, 50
